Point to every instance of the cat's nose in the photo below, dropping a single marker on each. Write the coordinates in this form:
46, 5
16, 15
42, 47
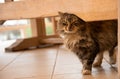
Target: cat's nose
70, 28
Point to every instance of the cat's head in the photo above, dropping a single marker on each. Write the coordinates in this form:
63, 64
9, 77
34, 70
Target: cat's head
70, 23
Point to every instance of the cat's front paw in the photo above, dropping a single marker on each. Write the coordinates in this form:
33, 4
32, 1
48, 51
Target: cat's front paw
86, 72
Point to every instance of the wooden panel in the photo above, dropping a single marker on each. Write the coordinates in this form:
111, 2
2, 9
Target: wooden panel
119, 43
1, 22
8, 0
22, 44
86, 9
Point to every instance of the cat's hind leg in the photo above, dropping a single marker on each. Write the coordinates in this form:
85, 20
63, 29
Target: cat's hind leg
112, 55
98, 60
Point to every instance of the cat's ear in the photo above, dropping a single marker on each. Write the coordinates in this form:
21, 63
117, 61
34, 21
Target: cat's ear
82, 21
60, 13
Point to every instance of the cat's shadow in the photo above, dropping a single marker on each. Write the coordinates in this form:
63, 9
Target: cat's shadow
103, 70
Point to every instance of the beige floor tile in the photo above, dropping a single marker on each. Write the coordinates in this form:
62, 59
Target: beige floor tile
46, 63
31, 64
6, 60
79, 76
76, 68
40, 58
34, 61
68, 76
68, 63
26, 71
65, 69
18, 75
41, 51
36, 77
7, 57
66, 57
74, 72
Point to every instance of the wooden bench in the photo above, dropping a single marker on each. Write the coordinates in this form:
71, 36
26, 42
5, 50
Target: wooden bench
37, 10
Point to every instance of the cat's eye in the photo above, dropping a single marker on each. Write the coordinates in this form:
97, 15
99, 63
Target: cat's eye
64, 24
76, 23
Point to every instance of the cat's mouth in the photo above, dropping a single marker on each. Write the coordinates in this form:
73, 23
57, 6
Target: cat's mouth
68, 32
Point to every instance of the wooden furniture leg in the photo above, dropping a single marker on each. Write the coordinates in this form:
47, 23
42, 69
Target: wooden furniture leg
39, 37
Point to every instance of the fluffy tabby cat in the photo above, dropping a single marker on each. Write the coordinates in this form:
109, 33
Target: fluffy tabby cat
88, 40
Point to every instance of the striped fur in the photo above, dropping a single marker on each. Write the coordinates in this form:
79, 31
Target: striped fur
88, 39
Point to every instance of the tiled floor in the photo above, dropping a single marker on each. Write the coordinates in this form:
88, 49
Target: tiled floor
47, 63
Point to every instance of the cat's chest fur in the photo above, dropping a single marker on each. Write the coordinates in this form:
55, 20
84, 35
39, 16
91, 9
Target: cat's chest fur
76, 41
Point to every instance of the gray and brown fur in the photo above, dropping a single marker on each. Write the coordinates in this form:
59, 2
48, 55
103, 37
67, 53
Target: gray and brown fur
88, 40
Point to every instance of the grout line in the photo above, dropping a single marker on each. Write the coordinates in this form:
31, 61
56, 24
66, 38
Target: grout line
55, 63
25, 77
11, 61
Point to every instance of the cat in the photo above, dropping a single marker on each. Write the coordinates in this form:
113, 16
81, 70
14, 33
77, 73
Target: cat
88, 40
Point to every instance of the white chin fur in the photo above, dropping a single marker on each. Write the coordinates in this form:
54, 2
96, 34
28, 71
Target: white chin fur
69, 31
62, 36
